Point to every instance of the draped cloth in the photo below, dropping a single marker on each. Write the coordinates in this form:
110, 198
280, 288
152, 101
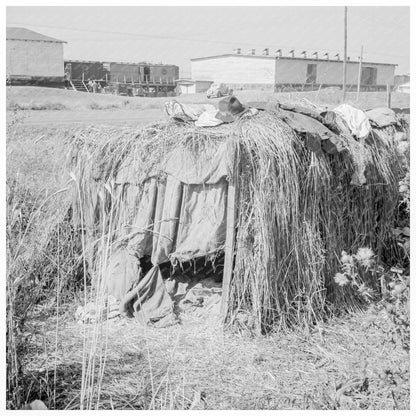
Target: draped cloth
176, 216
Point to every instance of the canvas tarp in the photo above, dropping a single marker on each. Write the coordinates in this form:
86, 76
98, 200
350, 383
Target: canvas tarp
176, 216
318, 137
382, 117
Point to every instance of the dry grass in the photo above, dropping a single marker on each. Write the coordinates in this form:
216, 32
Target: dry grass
42, 252
38, 98
344, 363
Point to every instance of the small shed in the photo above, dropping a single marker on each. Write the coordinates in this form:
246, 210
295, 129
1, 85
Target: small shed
404, 88
33, 58
188, 86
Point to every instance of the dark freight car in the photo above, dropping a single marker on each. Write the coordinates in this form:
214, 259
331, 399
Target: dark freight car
124, 72
85, 70
141, 78
143, 73
160, 73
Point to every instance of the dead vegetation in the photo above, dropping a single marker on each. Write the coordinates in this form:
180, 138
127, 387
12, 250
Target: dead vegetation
340, 363
38, 98
343, 363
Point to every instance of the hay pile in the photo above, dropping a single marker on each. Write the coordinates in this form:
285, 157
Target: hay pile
297, 210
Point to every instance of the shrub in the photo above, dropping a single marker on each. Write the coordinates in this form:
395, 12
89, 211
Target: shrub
390, 291
93, 105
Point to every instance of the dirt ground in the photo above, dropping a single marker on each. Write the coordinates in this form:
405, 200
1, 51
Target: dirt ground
348, 362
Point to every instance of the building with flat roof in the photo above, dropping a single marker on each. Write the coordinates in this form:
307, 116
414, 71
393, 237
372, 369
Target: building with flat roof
279, 73
33, 58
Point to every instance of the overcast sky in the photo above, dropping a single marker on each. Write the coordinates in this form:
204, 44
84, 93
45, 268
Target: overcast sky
174, 35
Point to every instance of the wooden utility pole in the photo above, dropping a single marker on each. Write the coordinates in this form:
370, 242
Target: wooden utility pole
344, 73
359, 73
388, 91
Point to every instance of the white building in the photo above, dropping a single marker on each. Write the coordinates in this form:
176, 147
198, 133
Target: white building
33, 58
279, 72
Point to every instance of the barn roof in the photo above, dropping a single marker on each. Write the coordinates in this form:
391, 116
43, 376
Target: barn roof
21, 33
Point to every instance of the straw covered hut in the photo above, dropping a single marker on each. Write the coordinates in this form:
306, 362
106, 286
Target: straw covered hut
263, 205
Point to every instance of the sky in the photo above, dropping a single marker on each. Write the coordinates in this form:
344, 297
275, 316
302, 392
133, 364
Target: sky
174, 35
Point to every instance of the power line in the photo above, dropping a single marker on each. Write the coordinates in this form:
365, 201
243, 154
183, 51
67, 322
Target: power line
162, 37
140, 35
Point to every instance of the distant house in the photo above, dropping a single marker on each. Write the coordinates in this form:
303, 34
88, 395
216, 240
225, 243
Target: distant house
33, 58
402, 83
404, 88
401, 79
278, 72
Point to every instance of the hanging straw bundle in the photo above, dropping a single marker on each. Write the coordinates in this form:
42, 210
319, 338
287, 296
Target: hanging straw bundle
298, 211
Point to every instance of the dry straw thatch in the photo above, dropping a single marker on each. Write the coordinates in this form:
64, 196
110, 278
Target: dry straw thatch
297, 210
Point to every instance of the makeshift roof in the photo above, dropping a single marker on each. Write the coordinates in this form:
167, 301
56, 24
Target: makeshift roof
21, 33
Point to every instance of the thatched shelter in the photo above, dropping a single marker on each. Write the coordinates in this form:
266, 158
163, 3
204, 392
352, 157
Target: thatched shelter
276, 207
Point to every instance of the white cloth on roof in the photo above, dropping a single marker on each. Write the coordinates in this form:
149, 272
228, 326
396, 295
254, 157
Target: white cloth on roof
207, 118
356, 119
184, 112
203, 115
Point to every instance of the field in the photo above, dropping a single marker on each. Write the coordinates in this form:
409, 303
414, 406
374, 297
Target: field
353, 361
